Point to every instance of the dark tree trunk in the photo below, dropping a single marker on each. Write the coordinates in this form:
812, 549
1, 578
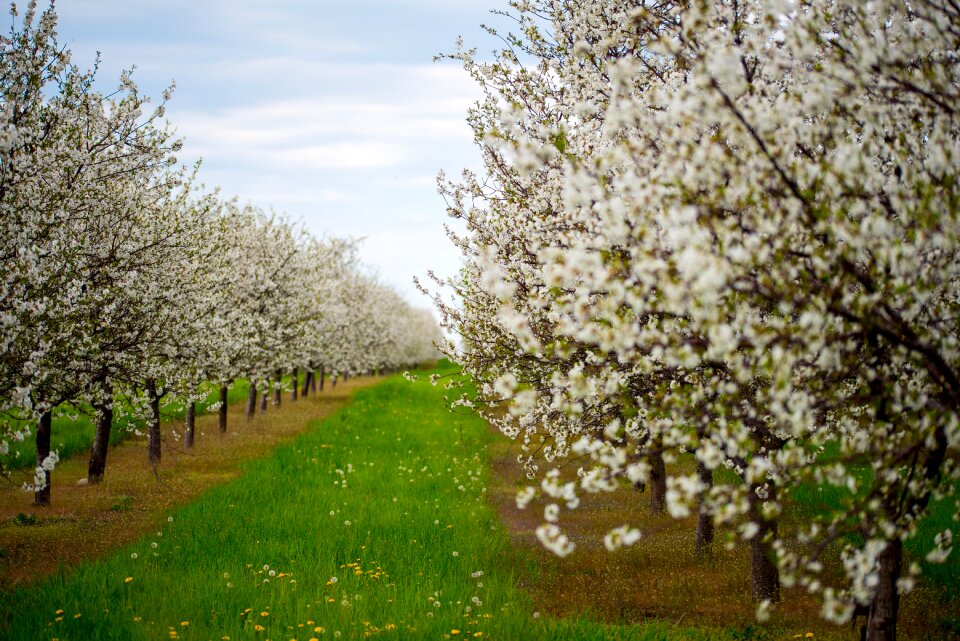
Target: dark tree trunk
764, 577
224, 390
323, 374
345, 377
44, 427
153, 425
882, 616
277, 393
658, 477
263, 396
101, 437
333, 381
189, 423
313, 381
252, 400
704, 538
306, 383
294, 387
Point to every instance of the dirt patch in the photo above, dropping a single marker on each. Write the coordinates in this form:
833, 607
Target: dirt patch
660, 577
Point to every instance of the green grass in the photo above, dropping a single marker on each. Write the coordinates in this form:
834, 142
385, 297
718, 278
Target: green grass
408, 510
72, 428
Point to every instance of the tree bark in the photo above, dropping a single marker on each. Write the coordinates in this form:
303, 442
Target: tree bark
101, 437
882, 615
276, 389
313, 381
189, 423
263, 395
44, 427
658, 477
323, 375
224, 391
153, 425
306, 383
704, 538
764, 576
251, 400
295, 378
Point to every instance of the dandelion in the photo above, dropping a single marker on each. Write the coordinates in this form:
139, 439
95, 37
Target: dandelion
184, 624
134, 556
153, 545
259, 628
273, 573
169, 519
59, 612
264, 614
347, 523
455, 553
128, 579
266, 567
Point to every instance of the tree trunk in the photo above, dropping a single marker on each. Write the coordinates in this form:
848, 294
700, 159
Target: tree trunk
764, 577
333, 381
323, 375
313, 381
263, 395
223, 408
345, 377
295, 378
153, 425
658, 477
306, 383
101, 437
189, 423
704, 539
882, 616
44, 427
276, 388
251, 400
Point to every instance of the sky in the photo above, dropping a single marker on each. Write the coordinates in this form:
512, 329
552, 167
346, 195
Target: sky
330, 111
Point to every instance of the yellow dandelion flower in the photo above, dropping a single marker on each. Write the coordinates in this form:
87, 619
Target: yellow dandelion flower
309, 622
259, 628
318, 630
58, 619
59, 612
454, 632
330, 599
128, 579
184, 624
264, 614
136, 619
77, 615
478, 634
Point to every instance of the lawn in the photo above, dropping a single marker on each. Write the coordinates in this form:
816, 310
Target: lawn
373, 523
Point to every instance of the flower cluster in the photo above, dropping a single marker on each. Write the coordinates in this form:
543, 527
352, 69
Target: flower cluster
724, 234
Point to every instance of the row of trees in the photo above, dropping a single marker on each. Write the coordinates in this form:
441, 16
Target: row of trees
122, 277
725, 234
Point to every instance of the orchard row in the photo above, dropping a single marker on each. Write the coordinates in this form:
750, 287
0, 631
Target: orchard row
724, 236
122, 277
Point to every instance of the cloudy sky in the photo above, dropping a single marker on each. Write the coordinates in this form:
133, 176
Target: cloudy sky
332, 111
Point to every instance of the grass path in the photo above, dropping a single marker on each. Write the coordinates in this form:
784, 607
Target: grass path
375, 523
88, 522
